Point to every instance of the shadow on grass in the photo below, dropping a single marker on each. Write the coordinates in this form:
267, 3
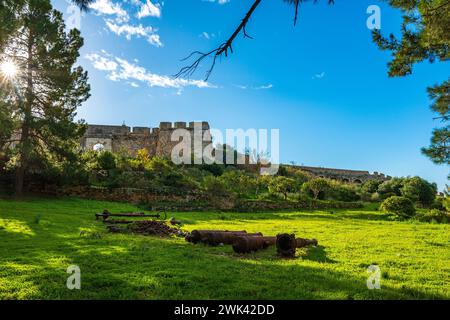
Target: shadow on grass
317, 254
137, 267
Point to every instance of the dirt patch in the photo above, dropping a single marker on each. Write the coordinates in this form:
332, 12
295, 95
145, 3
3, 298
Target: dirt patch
149, 228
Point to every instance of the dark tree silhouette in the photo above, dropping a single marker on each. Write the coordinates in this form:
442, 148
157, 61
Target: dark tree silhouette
83, 4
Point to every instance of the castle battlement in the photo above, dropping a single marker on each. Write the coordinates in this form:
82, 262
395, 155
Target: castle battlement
157, 141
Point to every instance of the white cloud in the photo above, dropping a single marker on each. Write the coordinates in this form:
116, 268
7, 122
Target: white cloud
117, 19
149, 9
109, 8
138, 31
319, 76
218, 1
102, 63
263, 87
207, 35
122, 70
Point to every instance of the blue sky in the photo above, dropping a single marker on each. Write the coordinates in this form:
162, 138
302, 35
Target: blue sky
323, 83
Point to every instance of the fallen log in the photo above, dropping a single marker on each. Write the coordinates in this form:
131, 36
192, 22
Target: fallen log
287, 244
246, 244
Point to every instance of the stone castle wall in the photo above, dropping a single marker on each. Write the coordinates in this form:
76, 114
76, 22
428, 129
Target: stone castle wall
353, 176
157, 141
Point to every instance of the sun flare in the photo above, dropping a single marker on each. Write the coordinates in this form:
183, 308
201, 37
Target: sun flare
8, 69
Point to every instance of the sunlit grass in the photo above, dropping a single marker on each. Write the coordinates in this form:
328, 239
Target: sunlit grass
414, 257
15, 226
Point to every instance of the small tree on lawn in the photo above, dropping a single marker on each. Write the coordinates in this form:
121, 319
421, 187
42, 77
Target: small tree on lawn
317, 186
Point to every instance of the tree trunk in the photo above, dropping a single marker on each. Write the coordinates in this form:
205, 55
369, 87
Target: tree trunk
23, 158
25, 143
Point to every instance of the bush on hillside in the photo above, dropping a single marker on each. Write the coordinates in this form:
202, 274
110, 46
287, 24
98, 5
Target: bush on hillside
390, 188
240, 183
401, 207
343, 192
419, 191
436, 215
282, 185
371, 186
214, 187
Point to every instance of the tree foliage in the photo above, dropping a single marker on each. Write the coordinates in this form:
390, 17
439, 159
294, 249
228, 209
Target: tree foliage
419, 190
282, 185
47, 90
425, 36
83, 4
371, 186
317, 186
401, 207
391, 187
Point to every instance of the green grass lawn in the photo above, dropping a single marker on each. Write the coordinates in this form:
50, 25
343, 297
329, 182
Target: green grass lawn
40, 238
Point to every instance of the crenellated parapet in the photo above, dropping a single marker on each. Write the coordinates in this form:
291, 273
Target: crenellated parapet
157, 141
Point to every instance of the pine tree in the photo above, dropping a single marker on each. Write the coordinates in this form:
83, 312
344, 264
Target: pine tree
7, 9
47, 89
83, 4
425, 35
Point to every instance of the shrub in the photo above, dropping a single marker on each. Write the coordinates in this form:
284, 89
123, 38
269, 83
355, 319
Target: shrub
343, 192
401, 207
240, 182
419, 191
282, 185
371, 186
302, 176
131, 179
439, 216
215, 169
375, 197
438, 203
215, 187
391, 187
384, 196
106, 161
270, 196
